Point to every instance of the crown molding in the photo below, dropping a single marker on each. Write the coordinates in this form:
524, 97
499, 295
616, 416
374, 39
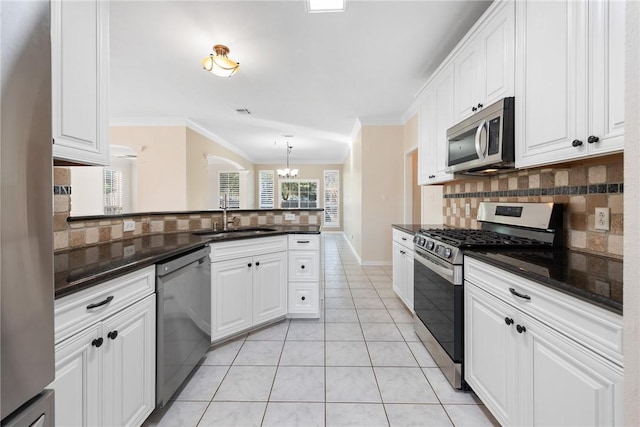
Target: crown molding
218, 140
147, 121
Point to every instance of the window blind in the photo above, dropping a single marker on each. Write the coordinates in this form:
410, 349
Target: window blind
332, 198
112, 191
265, 189
229, 183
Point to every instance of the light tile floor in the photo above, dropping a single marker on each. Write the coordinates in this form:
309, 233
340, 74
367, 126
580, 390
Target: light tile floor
361, 364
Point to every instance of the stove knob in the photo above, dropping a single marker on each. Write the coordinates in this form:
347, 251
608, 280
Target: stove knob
416, 239
447, 253
430, 245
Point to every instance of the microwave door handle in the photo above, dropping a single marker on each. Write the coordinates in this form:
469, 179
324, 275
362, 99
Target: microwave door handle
479, 148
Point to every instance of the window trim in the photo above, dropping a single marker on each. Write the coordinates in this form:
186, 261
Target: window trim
281, 181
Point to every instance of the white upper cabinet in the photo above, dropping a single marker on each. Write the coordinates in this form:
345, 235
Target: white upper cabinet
569, 84
80, 77
484, 67
436, 116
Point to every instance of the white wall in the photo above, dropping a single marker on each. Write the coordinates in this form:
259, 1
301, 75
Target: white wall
432, 205
86, 191
631, 343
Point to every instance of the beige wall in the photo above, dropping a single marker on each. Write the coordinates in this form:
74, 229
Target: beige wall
162, 178
305, 171
382, 189
352, 198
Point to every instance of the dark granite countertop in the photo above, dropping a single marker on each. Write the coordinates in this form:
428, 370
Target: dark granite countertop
414, 228
592, 278
81, 268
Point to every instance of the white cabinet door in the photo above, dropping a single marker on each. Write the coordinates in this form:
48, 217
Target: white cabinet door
427, 137
78, 386
606, 75
468, 79
231, 296
490, 354
497, 65
79, 53
269, 286
399, 271
436, 116
409, 279
130, 364
563, 383
551, 86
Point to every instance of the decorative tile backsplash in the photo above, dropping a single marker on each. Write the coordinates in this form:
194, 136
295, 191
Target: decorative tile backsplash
78, 233
580, 187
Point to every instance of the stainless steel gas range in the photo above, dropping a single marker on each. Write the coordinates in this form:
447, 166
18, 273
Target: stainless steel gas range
439, 278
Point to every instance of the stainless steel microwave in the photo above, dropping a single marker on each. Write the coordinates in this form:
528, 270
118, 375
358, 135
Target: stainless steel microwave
483, 143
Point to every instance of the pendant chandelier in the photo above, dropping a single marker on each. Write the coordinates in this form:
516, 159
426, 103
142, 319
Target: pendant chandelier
288, 173
219, 64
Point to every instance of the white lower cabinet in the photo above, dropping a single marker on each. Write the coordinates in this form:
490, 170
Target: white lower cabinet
105, 373
304, 276
247, 291
525, 370
403, 267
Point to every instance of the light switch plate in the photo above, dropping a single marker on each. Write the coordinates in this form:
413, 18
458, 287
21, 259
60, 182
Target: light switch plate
128, 226
289, 217
602, 219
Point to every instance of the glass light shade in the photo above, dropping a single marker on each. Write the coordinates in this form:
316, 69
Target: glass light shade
220, 65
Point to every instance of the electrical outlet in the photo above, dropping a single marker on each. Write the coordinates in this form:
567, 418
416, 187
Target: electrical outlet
289, 217
467, 210
602, 219
129, 250
128, 226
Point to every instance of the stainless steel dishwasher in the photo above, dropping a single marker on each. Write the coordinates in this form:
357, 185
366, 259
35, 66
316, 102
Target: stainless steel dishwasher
183, 287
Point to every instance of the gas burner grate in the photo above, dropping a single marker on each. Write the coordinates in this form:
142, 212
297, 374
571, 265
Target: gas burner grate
477, 238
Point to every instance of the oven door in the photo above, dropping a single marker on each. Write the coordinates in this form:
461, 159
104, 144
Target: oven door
438, 301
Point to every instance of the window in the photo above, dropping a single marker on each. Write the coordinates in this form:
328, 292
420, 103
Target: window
265, 188
297, 193
229, 184
112, 191
332, 198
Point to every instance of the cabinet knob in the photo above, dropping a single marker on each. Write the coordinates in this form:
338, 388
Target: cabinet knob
474, 109
521, 329
302, 266
480, 106
303, 298
112, 335
508, 321
576, 143
249, 265
97, 342
592, 139
257, 263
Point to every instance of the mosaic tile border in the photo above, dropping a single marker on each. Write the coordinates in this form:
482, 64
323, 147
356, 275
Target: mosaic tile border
565, 190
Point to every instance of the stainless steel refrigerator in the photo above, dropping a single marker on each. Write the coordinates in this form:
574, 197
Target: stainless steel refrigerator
26, 231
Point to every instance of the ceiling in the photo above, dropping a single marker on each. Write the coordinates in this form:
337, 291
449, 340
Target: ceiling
313, 76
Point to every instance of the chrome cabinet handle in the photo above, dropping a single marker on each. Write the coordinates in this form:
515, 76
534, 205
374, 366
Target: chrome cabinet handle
101, 303
519, 295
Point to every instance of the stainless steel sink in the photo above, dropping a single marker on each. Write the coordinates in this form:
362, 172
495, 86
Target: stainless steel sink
235, 232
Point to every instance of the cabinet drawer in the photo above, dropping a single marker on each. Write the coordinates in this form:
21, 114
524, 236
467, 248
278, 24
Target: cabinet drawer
79, 310
309, 242
592, 326
247, 247
303, 265
303, 297
405, 239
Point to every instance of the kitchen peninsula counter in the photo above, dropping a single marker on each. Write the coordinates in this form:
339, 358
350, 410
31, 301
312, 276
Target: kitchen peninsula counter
80, 268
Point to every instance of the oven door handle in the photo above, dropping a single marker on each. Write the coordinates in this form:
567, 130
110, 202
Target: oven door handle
440, 270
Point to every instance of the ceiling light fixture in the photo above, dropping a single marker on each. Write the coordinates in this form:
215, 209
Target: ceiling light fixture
219, 64
288, 173
314, 6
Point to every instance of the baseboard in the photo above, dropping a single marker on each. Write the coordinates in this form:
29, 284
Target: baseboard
353, 250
